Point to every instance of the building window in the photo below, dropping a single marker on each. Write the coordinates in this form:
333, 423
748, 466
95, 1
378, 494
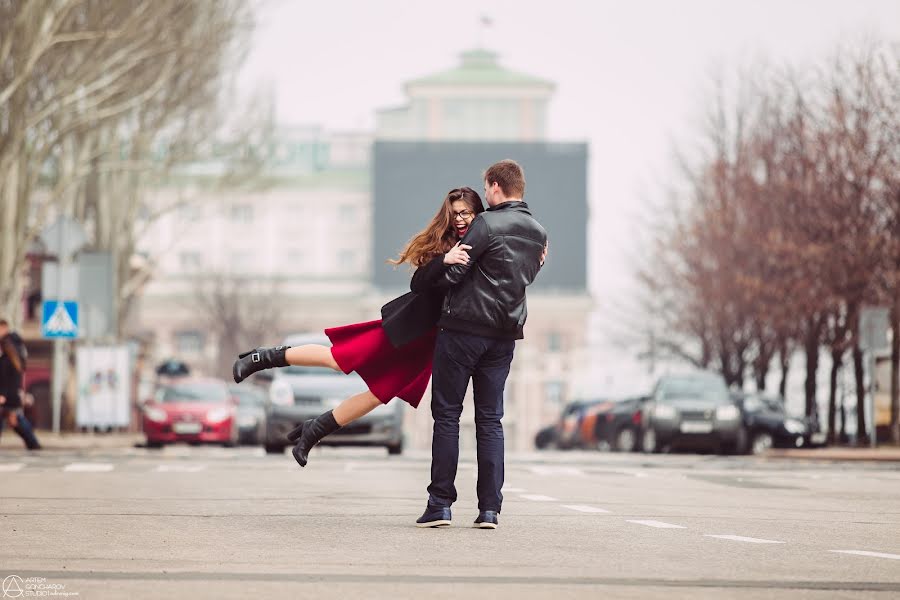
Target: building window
553, 392
554, 341
190, 261
346, 213
242, 213
189, 342
347, 259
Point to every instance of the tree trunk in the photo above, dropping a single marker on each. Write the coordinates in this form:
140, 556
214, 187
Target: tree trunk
862, 435
811, 347
895, 375
784, 359
837, 360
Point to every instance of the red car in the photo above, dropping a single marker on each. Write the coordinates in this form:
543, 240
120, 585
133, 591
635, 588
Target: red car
191, 410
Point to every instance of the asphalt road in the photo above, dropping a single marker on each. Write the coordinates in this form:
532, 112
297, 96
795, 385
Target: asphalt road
190, 522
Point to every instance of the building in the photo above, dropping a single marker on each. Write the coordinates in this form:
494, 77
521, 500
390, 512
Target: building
454, 125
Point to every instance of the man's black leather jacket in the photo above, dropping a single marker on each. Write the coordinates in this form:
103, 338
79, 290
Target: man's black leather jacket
487, 296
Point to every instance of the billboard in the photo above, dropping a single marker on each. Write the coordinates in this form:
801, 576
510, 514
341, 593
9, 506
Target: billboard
412, 178
104, 386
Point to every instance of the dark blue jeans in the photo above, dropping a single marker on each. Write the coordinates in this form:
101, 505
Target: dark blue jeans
459, 357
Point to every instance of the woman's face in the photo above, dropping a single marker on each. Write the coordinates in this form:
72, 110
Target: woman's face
461, 216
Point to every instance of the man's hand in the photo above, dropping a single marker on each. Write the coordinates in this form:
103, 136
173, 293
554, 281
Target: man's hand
544, 253
2, 399
457, 255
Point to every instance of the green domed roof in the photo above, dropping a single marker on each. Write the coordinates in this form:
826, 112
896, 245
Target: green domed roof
479, 67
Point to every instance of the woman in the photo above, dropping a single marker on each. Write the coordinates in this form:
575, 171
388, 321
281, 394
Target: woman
12, 366
393, 355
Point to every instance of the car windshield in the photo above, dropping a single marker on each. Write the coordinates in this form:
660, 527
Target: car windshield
705, 389
318, 371
192, 392
247, 397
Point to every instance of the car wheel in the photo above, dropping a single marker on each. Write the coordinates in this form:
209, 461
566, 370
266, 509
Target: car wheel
154, 445
649, 442
739, 445
762, 441
626, 440
275, 449
395, 449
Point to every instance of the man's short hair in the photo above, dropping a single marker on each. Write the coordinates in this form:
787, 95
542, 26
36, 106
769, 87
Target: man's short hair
509, 176
4, 323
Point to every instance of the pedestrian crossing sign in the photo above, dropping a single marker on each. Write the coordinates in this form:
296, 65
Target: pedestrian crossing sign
59, 319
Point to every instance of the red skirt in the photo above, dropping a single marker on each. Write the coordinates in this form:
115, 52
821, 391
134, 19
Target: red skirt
389, 372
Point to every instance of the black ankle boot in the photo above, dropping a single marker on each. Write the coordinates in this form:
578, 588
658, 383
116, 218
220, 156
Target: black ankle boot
258, 359
311, 432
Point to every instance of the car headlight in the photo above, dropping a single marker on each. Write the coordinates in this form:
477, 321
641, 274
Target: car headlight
247, 421
157, 415
729, 412
217, 415
664, 411
794, 426
281, 393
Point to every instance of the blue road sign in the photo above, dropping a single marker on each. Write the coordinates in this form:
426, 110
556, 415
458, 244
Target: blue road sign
59, 319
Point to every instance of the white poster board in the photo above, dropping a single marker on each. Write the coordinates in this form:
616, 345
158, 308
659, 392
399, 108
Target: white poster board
104, 386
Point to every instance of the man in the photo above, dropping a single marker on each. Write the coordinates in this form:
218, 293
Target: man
483, 315
13, 355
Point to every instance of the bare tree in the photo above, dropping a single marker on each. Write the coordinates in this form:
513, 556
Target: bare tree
239, 312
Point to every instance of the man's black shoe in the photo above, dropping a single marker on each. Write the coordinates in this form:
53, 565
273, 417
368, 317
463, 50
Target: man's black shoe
434, 516
487, 519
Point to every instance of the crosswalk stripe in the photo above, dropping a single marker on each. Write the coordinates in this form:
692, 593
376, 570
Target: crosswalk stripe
512, 490
539, 498
180, 468
88, 467
657, 524
11, 467
740, 538
867, 553
555, 470
585, 509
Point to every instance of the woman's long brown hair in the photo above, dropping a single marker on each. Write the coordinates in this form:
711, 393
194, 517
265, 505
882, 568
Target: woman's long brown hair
440, 235
9, 349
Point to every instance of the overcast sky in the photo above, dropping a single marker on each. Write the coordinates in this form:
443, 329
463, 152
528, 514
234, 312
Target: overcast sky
630, 74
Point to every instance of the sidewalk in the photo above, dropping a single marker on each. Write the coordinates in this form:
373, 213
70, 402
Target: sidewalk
72, 440
837, 453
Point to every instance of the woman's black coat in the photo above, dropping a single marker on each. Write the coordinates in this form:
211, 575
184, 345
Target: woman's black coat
415, 313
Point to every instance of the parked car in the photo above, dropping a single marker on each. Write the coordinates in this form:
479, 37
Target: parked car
768, 425
693, 410
300, 393
194, 410
586, 436
569, 425
251, 412
620, 427
547, 437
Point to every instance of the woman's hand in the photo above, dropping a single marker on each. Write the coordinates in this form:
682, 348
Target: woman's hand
544, 253
457, 255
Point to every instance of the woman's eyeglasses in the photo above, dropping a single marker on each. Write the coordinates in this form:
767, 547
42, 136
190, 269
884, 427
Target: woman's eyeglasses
463, 214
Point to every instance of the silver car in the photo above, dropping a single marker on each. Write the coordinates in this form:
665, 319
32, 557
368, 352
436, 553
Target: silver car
691, 410
300, 393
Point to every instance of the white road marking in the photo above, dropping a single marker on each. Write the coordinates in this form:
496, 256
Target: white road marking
630, 472
740, 538
88, 467
867, 553
180, 468
657, 524
9, 468
555, 470
585, 509
512, 490
538, 498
